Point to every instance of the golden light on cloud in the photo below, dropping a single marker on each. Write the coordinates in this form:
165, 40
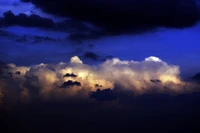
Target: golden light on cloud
75, 77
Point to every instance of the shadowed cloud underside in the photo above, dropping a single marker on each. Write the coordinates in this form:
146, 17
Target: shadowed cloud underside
125, 16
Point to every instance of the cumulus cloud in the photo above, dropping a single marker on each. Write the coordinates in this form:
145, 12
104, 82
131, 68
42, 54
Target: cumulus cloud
76, 79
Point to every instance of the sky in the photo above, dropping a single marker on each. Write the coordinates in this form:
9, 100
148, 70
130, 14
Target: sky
18, 7
176, 46
82, 66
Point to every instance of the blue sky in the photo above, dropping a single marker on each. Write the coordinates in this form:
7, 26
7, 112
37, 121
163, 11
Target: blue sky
179, 47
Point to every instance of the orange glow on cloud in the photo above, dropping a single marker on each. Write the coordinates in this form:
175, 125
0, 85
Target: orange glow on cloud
47, 79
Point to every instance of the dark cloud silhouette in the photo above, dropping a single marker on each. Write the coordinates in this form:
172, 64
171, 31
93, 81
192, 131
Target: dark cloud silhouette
91, 55
103, 95
18, 73
125, 16
70, 75
96, 57
108, 57
33, 20
10, 73
97, 85
195, 78
70, 83
155, 81
34, 39
77, 29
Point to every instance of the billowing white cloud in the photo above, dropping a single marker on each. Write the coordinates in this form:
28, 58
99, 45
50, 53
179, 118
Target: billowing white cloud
48, 81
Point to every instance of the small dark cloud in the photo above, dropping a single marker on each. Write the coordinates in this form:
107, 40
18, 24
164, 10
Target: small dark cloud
10, 73
70, 75
96, 57
155, 81
107, 57
126, 16
34, 39
97, 85
18, 73
195, 78
103, 95
90, 45
91, 55
9, 19
70, 83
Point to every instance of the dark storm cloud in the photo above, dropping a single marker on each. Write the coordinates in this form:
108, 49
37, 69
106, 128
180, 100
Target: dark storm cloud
125, 16
9, 19
77, 29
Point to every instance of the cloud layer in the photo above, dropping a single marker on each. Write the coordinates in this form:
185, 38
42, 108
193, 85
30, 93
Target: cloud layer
77, 80
127, 16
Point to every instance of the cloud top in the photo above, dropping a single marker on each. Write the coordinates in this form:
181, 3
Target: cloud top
49, 81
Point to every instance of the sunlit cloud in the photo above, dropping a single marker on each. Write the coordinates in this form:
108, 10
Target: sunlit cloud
69, 80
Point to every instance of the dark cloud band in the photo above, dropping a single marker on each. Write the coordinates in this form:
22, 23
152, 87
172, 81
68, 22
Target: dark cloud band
127, 15
9, 19
76, 28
